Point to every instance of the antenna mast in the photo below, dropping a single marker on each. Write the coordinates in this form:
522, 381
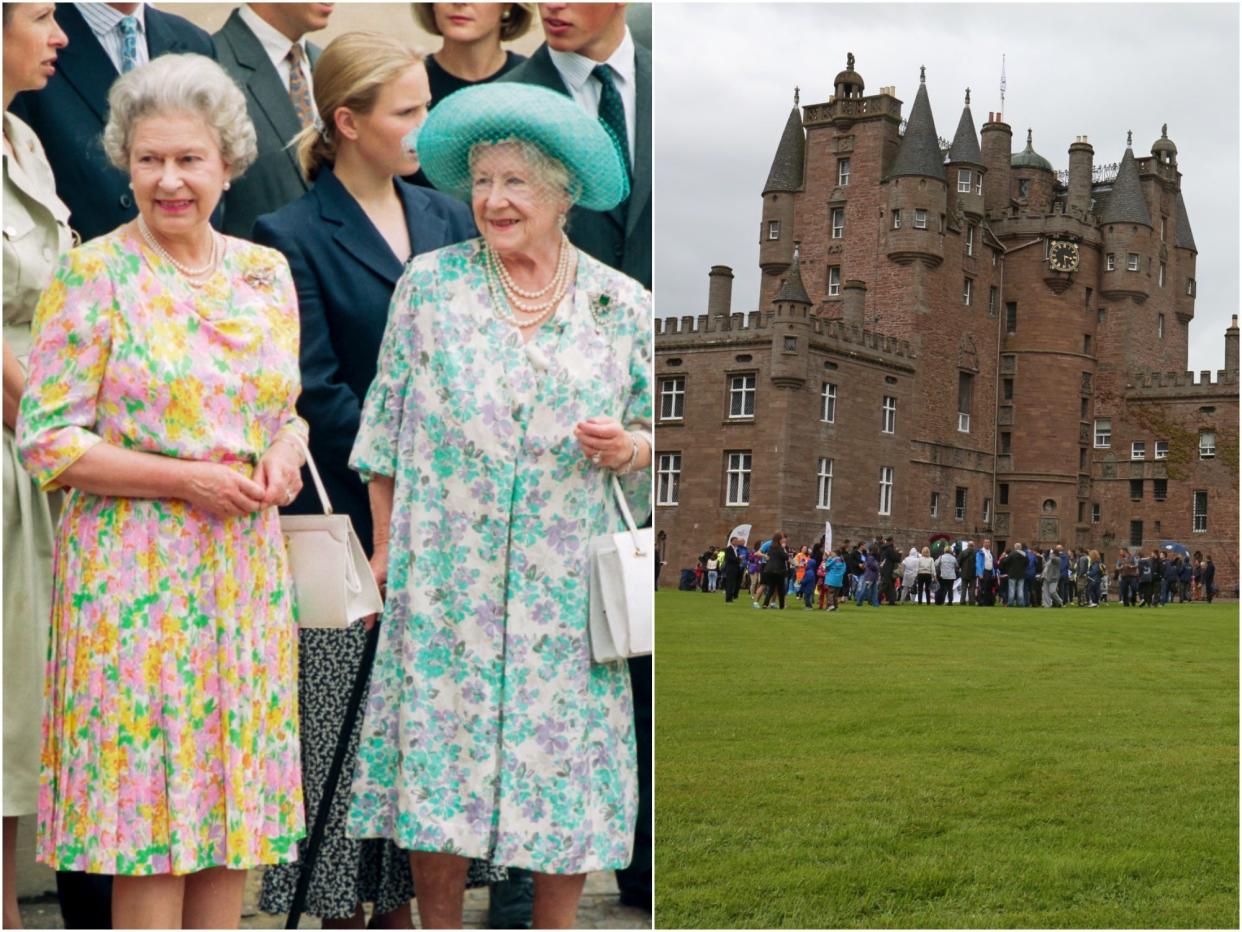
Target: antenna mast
1002, 86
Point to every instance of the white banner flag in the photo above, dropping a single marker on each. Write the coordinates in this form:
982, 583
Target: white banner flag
742, 531
827, 537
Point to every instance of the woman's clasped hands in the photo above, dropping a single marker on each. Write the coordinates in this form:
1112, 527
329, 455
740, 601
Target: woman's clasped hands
224, 492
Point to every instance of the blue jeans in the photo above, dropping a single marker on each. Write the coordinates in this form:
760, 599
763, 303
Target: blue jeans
1017, 592
868, 591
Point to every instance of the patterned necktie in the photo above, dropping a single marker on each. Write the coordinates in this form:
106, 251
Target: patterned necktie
299, 93
129, 43
612, 111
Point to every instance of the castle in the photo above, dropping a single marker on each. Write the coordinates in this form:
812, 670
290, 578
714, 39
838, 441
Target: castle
951, 337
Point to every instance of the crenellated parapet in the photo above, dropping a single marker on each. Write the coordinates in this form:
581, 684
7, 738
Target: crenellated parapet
1145, 384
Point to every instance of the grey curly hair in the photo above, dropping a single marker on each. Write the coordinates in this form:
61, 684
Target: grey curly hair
181, 83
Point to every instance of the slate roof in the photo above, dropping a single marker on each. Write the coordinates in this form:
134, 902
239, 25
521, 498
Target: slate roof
920, 152
786, 173
1181, 235
1126, 203
965, 146
793, 290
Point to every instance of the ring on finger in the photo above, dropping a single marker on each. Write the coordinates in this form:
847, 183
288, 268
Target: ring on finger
597, 456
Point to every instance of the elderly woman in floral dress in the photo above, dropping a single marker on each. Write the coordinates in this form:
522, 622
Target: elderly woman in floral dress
161, 393
513, 383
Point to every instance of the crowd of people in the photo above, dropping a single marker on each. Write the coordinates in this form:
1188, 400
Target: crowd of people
942, 573
432, 272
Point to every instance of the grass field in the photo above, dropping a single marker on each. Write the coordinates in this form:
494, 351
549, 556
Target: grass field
945, 766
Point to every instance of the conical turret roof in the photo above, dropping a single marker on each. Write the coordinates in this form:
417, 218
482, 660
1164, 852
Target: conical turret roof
1126, 203
786, 173
920, 148
793, 290
1181, 234
965, 146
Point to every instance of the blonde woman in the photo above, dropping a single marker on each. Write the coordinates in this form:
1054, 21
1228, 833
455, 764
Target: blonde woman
347, 240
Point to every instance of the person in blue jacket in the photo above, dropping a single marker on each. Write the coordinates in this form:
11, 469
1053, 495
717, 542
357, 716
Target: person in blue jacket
834, 579
810, 576
869, 588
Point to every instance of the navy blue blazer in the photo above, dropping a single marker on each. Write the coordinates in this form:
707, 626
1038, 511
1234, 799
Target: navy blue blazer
69, 116
345, 273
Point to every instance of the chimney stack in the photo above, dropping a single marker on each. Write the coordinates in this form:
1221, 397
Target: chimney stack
854, 293
1081, 156
719, 291
1231, 346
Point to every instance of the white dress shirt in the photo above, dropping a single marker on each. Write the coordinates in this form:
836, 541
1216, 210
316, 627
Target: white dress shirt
105, 23
277, 46
575, 71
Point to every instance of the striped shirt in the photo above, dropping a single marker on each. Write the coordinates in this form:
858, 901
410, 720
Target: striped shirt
105, 23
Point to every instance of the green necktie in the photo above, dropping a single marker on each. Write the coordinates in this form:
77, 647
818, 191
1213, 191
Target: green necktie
612, 111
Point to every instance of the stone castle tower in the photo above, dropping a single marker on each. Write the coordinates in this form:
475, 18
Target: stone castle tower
1025, 308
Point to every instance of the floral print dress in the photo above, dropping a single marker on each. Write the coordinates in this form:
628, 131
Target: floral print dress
169, 736
489, 733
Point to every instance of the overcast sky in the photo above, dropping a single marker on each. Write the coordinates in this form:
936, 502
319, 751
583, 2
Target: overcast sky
725, 76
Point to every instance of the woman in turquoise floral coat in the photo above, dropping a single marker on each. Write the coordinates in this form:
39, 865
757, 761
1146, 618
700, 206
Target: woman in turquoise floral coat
514, 381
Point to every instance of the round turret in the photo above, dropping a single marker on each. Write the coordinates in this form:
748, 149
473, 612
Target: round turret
848, 83
1033, 178
1029, 158
1163, 148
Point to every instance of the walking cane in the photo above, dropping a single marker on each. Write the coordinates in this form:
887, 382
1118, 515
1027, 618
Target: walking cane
311, 854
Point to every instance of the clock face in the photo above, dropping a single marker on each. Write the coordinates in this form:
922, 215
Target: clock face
1063, 256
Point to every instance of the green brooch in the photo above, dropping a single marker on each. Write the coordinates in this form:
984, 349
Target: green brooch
601, 304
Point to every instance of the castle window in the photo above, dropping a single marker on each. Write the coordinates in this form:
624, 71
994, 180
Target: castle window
1100, 316
1136, 490
1004, 493
1190, 287
993, 299
1160, 489
1095, 512
737, 472
1110, 263
1082, 511
1160, 277
1050, 506
963, 181
1162, 221
843, 172
1207, 444
742, 396
959, 504
672, 398
920, 219
888, 422
970, 239
1082, 409
774, 229
1138, 450
1200, 512
828, 403
1007, 389
965, 400
967, 287
838, 222
1024, 188
1132, 262
1086, 343
1159, 326
987, 511
935, 504
1011, 316
1082, 459
1103, 433
979, 183
1162, 450
1136, 533
1006, 443
1086, 305
886, 490
825, 482
834, 280
669, 479
896, 219
791, 344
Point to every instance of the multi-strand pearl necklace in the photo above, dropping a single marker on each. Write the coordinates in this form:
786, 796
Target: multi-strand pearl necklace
496, 272
195, 276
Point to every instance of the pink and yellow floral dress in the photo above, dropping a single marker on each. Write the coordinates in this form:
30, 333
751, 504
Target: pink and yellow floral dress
169, 736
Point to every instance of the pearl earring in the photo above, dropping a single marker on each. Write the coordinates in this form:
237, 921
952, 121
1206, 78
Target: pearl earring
227, 185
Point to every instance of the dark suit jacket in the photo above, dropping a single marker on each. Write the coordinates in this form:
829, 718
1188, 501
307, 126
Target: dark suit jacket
274, 180
620, 240
345, 274
69, 116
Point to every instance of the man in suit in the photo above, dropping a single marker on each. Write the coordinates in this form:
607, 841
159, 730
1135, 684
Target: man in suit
69, 115
262, 47
967, 572
590, 56
732, 570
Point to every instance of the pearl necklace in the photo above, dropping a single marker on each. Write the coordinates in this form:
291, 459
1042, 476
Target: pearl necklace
543, 311
159, 250
511, 286
514, 295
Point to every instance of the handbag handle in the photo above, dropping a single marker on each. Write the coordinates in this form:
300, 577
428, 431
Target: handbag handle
625, 513
310, 461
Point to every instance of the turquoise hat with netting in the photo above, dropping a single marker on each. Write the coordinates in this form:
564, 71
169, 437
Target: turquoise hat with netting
504, 111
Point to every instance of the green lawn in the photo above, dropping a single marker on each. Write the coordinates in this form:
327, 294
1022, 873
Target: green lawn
945, 766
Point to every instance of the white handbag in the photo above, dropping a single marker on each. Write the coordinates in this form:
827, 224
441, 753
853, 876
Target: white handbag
332, 579
622, 613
